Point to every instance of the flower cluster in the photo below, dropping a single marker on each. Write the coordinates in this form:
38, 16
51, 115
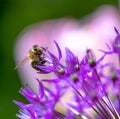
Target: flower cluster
94, 94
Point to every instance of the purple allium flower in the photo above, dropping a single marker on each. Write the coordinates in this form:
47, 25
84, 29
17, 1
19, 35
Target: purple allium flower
116, 42
40, 105
90, 87
115, 48
53, 63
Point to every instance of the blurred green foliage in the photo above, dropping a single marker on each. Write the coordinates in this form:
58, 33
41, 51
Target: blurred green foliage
15, 15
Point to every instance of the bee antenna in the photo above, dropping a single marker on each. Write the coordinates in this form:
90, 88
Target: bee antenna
44, 48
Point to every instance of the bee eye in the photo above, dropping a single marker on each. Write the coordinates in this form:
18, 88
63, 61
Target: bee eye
35, 48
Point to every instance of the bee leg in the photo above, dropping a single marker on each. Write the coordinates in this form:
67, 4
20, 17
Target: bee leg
42, 62
34, 65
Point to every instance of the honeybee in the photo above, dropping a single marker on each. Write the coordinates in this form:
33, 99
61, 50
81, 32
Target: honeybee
36, 56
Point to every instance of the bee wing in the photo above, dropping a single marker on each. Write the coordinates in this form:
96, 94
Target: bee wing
22, 62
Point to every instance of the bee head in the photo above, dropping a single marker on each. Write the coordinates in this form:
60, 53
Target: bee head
35, 48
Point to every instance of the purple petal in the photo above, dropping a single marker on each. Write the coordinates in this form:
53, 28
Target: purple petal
116, 30
108, 46
41, 89
98, 61
46, 69
59, 50
51, 80
29, 94
53, 57
19, 103
69, 55
106, 52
